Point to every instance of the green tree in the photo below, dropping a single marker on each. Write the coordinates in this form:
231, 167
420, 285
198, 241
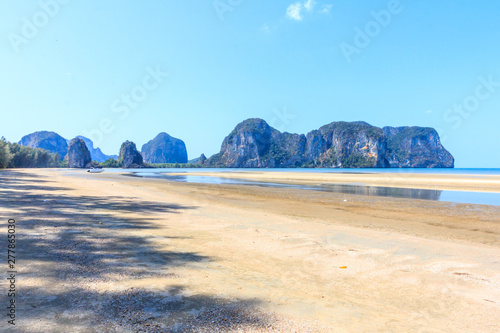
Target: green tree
5, 155
26, 157
111, 163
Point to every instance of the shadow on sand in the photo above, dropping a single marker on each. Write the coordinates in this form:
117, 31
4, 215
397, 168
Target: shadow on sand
74, 244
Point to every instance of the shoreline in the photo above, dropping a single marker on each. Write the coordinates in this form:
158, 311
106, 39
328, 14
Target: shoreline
247, 258
465, 182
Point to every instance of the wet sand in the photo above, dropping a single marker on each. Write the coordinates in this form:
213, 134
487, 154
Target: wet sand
105, 252
464, 182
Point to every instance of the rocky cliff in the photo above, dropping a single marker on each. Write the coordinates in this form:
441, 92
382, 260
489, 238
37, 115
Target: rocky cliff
78, 154
416, 147
201, 160
164, 149
50, 141
255, 144
96, 153
129, 156
55, 143
350, 145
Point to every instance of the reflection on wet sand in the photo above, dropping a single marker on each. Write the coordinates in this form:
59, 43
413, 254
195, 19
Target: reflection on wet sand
395, 192
378, 191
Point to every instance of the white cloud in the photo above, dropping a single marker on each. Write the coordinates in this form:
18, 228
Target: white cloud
309, 5
326, 9
265, 28
294, 11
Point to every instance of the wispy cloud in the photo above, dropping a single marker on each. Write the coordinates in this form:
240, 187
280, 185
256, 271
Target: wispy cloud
265, 29
309, 5
326, 9
295, 11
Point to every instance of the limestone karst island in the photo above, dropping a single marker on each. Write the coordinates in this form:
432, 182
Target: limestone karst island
252, 144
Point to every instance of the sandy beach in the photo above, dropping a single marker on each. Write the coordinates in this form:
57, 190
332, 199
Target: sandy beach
111, 253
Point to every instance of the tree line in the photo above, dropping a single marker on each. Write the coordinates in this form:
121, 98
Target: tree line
13, 155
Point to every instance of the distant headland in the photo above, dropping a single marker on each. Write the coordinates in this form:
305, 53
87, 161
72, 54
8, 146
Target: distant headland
252, 144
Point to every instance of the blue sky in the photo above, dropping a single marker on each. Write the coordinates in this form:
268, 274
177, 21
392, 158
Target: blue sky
127, 70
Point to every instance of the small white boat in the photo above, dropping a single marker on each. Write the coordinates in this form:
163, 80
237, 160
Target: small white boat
95, 170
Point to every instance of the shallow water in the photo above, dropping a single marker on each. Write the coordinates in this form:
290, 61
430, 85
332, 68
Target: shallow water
443, 171
482, 198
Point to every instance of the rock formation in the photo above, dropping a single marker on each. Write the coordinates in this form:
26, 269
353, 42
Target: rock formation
164, 149
55, 143
416, 147
50, 141
129, 156
95, 153
201, 160
78, 155
255, 144
350, 145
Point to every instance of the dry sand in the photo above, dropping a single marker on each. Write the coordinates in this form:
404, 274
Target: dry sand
109, 253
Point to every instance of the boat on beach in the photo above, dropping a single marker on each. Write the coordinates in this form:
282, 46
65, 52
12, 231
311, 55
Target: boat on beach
95, 170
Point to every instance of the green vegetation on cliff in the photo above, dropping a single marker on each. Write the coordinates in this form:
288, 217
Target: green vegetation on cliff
216, 161
420, 145
276, 150
358, 161
343, 128
255, 144
255, 126
330, 159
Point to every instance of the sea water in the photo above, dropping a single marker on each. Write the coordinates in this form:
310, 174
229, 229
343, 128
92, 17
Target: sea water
467, 197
